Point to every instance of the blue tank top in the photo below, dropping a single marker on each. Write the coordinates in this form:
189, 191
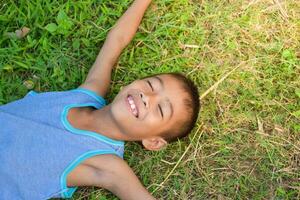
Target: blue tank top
39, 147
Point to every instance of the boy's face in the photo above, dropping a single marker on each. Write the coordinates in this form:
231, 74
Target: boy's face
149, 107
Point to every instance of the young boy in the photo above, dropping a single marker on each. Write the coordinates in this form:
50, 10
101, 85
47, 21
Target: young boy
52, 142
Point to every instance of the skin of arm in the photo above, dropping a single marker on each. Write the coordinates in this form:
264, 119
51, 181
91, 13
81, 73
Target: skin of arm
99, 76
108, 171
112, 173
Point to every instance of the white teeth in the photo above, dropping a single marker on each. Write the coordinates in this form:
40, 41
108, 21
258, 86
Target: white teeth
132, 106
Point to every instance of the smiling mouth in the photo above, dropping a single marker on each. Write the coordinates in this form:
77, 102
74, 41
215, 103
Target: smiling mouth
132, 105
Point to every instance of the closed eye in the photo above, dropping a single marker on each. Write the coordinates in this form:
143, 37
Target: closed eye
149, 83
161, 112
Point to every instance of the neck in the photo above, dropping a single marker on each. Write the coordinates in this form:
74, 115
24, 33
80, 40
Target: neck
101, 121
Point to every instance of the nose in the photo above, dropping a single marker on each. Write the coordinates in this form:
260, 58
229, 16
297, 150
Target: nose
145, 99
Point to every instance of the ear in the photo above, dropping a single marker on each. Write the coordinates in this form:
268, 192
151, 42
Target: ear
154, 143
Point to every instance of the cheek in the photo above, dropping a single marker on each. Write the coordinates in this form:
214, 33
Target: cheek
153, 122
120, 113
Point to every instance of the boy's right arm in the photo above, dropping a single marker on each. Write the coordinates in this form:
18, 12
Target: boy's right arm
99, 76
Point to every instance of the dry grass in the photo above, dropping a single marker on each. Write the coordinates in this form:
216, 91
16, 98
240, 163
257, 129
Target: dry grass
243, 55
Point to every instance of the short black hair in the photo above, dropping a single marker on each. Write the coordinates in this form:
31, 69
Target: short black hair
192, 104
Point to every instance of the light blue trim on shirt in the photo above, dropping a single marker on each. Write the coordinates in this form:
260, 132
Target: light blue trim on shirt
67, 192
92, 94
95, 135
31, 93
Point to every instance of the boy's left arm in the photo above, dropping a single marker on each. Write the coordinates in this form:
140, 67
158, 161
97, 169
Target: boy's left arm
112, 173
99, 76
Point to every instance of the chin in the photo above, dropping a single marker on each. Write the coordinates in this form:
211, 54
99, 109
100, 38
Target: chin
120, 116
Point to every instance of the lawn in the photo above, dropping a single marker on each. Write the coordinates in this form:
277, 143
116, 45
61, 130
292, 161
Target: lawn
243, 55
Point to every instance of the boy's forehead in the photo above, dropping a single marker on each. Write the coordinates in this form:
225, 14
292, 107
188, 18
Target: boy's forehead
170, 82
173, 89
165, 78
171, 86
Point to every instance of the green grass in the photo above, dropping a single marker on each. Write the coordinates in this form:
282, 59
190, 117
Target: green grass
248, 143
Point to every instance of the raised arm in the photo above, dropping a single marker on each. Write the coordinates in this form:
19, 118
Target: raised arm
99, 76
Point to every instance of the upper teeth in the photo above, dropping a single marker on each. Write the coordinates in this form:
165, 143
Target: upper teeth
132, 105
